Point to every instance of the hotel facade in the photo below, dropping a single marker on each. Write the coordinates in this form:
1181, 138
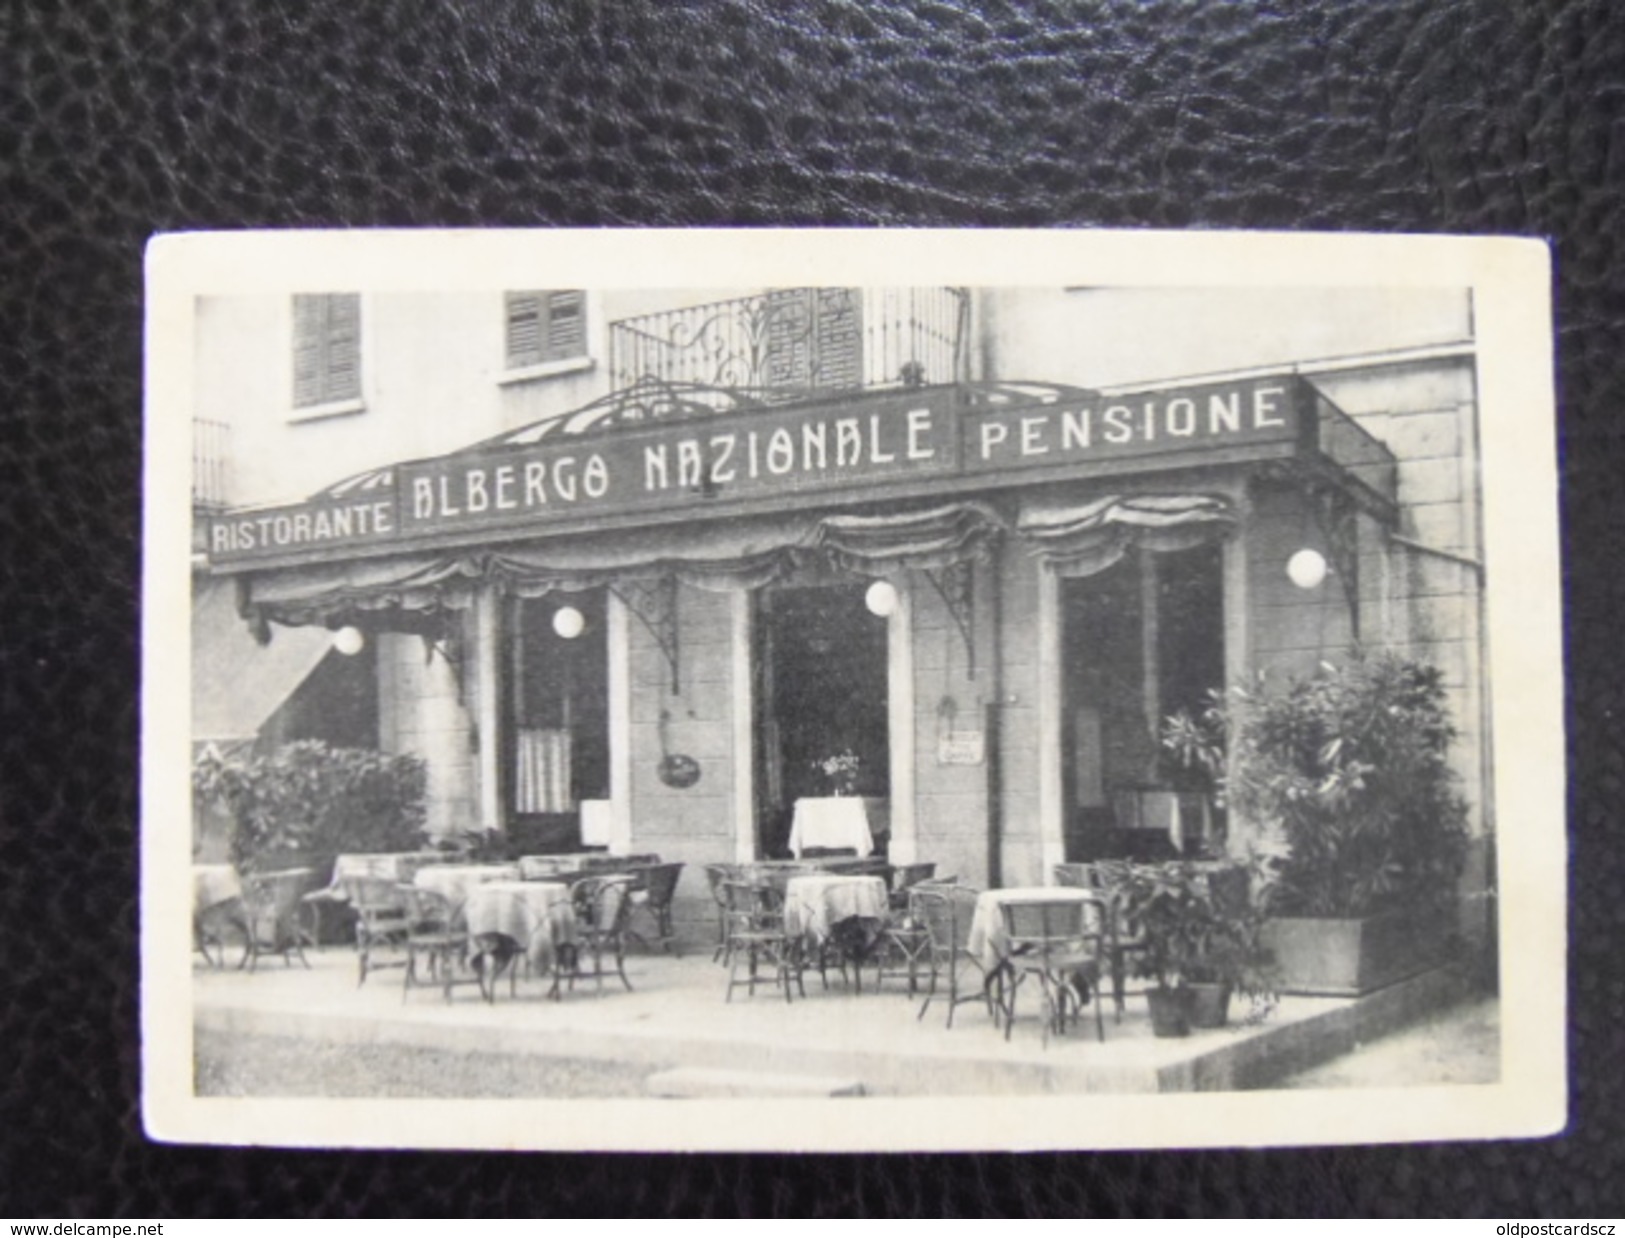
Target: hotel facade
645, 570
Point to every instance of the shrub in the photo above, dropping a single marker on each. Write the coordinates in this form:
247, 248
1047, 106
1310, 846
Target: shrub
1349, 767
308, 801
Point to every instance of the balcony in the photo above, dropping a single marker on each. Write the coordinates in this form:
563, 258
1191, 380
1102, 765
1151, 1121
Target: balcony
796, 343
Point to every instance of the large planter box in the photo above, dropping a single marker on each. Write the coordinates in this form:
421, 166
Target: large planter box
1346, 958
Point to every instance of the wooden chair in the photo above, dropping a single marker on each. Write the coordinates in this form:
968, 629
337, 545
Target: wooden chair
905, 876
946, 912
657, 886
603, 907
753, 916
1061, 943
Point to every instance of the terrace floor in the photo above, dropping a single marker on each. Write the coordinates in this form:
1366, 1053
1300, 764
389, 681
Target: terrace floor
675, 1019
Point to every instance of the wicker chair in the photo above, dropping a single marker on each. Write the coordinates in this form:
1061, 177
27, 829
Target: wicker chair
1123, 939
603, 908
381, 923
437, 939
753, 919
1061, 944
946, 911
657, 886
272, 906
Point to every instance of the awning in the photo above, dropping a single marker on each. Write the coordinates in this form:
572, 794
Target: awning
1076, 539
1080, 539
737, 554
237, 683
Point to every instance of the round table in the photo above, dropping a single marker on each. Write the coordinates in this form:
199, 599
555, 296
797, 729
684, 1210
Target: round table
535, 915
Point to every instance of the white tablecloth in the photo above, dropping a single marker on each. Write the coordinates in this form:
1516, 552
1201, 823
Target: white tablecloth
814, 904
455, 882
213, 884
534, 914
833, 821
987, 940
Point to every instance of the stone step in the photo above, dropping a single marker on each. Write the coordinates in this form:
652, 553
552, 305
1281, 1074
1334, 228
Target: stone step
710, 1082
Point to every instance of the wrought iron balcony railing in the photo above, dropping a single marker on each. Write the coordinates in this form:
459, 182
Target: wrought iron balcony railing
792, 343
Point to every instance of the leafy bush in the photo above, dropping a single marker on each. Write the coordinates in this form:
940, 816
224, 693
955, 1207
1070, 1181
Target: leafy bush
1350, 768
309, 802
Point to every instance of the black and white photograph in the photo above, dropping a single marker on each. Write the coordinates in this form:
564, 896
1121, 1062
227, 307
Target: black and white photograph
798, 690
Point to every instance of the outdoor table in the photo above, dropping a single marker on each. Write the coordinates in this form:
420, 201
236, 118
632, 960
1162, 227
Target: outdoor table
987, 936
535, 915
833, 821
551, 867
824, 909
455, 882
397, 866
213, 884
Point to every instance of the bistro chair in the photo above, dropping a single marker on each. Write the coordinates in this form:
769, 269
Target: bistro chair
1123, 939
272, 904
603, 908
753, 916
905, 876
945, 912
715, 875
437, 941
657, 885
1056, 943
903, 948
381, 923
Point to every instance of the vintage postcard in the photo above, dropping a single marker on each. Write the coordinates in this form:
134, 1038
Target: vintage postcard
809, 690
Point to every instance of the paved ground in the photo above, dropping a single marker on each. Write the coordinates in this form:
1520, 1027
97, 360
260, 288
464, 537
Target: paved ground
1459, 1045
230, 1065
299, 1032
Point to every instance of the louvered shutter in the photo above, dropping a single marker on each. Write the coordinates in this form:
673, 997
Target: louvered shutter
566, 325
545, 326
524, 329
326, 348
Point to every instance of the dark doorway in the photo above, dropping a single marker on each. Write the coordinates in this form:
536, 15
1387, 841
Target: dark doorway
1140, 641
558, 744
822, 728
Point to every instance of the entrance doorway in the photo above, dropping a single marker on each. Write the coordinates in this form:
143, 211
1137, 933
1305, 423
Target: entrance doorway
821, 696
557, 753
1141, 641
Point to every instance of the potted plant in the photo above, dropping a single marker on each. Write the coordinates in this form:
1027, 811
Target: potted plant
1347, 773
1233, 957
1167, 909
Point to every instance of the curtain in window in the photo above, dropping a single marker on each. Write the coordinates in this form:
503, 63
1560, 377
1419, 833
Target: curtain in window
542, 776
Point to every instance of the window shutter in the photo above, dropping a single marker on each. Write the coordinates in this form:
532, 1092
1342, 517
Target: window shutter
545, 326
326, 348
524, 329
566, 325
343, 380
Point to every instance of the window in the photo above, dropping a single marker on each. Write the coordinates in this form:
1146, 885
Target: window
326, 348
546, 326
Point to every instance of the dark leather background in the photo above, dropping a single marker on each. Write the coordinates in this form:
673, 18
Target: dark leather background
119, 119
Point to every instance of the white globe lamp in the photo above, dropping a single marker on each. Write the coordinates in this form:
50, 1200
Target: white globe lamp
349, 641
881, 598
569, 622
1307, 569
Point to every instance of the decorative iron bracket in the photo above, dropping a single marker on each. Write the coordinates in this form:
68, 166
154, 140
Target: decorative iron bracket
1338, 517
956, 586
655, 605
